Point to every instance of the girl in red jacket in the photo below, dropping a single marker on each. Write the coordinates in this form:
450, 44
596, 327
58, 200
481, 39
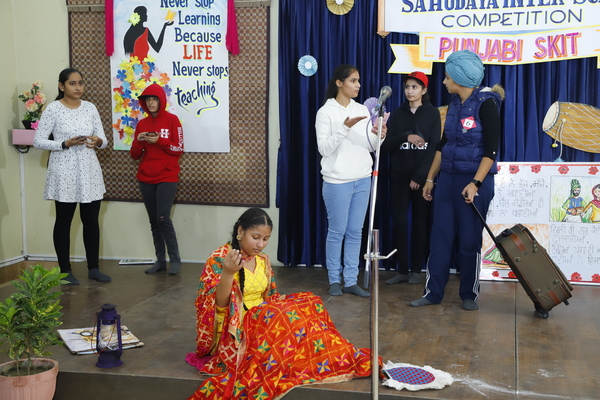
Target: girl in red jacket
158, 144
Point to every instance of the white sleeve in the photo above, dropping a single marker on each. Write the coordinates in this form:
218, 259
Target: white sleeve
329, 136
45, 127
98, 129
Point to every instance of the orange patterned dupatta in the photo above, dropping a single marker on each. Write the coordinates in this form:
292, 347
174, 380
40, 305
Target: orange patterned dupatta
286, 341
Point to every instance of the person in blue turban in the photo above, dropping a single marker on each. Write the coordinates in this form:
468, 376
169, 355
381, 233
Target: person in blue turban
465, 68
464, 166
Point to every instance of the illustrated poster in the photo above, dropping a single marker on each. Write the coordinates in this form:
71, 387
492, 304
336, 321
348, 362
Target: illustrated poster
179, 44
560, 204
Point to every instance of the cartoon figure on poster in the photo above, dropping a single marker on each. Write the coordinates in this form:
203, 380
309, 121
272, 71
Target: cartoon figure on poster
137, 72
573, 206
594, 206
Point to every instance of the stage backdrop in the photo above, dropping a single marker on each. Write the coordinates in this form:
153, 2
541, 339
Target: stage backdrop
181, 46
537, 195
308, 27
237, 178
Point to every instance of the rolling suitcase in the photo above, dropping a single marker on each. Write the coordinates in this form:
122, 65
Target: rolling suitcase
541, 278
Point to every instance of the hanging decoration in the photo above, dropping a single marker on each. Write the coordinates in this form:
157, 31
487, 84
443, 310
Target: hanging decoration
340, 7
307, 65
371, 104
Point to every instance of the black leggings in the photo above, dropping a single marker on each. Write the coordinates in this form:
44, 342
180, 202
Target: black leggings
89, 213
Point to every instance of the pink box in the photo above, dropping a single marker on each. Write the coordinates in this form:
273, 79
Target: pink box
23, 137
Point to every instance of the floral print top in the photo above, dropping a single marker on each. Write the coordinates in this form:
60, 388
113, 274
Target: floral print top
74, 174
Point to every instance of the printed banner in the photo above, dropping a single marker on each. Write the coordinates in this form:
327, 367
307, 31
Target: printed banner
501, 32
514, 49
179, 44
560, 204
488, 16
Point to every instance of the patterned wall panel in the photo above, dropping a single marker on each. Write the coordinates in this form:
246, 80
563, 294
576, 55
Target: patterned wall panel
238, 178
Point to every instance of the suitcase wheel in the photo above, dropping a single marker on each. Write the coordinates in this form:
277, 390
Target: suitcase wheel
541, 312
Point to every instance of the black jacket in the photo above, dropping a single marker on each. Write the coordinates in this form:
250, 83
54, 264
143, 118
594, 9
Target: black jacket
408, 161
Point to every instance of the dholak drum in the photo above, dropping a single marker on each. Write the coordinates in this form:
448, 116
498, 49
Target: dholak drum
574, 124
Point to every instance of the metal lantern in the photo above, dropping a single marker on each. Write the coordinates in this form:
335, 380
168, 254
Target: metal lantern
109, 344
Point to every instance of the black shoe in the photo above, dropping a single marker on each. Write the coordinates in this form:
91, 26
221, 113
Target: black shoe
96, 275
71, 279
157, 267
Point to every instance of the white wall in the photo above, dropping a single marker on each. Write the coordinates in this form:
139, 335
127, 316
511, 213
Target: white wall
35, 47
10, 205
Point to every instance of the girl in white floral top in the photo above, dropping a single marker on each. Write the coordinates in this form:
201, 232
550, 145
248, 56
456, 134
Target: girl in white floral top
74, 174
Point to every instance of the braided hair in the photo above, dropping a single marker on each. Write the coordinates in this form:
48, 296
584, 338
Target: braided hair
249, 219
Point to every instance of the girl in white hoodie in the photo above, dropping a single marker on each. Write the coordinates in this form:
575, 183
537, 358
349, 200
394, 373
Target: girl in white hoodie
345, 142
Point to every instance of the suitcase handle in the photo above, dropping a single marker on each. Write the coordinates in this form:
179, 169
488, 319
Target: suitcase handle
487, 227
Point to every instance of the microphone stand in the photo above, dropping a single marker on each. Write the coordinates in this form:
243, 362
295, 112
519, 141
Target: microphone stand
372, 267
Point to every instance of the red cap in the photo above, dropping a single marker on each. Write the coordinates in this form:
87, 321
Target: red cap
418, 75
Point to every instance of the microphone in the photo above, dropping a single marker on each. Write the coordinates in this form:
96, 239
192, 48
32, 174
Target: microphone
385, 93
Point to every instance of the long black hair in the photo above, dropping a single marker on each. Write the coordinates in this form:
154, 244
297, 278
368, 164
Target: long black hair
63, 77
340, 73
249, 219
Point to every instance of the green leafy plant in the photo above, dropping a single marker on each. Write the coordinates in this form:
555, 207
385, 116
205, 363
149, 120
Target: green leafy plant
29, 316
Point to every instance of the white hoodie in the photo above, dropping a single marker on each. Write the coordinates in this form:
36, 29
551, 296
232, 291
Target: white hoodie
345, 151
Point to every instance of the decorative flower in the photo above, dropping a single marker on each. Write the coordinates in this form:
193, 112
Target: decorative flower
132, 77
496, 274
34, 100
536, 168
340, 7
512, 275
563, 169
134, 19
593, 170
34, 125
514, 169
596, 278
307, 65
371, 104
576, 277
499, 167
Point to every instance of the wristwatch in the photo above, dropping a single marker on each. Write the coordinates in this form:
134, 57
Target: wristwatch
476, 182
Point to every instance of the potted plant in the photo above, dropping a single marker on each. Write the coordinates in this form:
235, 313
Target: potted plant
34, 100
28, 319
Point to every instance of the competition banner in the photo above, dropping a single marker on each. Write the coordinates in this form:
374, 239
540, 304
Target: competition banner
500, 31
179, 44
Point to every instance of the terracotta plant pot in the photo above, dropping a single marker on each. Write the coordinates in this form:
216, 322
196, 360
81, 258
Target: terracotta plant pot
39, 386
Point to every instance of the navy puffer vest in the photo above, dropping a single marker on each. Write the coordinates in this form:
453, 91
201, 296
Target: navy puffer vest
463, 150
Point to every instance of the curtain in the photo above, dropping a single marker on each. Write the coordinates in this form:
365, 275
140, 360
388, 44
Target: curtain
308, 27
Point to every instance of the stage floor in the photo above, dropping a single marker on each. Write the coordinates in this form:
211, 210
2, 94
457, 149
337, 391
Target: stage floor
503, 351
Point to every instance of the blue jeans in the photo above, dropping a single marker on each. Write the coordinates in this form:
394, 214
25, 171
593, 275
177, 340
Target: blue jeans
346, 205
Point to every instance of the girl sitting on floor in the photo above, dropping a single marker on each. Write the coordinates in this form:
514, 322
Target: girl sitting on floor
258, 343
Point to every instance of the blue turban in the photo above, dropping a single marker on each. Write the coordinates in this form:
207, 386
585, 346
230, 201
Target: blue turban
465, 68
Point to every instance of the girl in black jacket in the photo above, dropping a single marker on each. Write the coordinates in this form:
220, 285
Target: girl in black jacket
414, 130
